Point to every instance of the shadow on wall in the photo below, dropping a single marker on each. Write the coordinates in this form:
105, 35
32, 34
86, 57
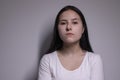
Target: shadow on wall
45, 44
33, 73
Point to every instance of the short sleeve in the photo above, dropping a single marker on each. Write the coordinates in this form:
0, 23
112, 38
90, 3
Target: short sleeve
97, 68
44, 69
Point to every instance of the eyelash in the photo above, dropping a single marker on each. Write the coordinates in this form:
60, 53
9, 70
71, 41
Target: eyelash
64, 23
75, 22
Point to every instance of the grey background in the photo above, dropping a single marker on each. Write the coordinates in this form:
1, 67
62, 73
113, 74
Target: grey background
26, 27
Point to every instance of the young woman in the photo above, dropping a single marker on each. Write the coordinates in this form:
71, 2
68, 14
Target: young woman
70, 56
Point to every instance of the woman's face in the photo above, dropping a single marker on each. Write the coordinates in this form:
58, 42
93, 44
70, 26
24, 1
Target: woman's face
70, 27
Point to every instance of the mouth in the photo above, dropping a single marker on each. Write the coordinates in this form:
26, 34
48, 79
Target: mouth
69, 34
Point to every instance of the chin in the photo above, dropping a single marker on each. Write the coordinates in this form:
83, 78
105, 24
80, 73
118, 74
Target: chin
71, 41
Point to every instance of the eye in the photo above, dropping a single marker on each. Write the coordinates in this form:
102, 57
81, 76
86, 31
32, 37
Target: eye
75, 22
62, 23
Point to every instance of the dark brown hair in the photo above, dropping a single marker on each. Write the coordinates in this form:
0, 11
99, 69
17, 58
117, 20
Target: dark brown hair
57, 43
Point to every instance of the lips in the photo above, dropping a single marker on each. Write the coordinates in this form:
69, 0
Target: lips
69, 34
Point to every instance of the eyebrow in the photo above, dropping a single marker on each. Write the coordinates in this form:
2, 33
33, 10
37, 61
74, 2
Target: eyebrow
75, 19
72, 19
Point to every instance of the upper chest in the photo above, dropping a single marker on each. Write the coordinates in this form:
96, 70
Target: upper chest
71, 62
59, 72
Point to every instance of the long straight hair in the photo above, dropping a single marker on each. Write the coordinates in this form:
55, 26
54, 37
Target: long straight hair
57, 43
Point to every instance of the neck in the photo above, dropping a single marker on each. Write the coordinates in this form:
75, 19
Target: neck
71, 48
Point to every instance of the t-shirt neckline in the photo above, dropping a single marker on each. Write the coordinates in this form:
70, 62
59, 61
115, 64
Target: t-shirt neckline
80, 66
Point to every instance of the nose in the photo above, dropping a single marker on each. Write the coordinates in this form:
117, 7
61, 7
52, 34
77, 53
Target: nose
68, 27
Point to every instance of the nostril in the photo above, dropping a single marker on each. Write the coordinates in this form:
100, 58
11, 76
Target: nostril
68, 29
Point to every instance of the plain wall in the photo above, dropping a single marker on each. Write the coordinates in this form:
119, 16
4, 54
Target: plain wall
26, 27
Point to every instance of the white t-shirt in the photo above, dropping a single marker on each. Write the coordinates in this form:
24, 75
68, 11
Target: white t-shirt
51, 68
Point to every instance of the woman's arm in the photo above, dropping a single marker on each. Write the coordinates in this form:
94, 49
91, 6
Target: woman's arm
97, 69
44, 69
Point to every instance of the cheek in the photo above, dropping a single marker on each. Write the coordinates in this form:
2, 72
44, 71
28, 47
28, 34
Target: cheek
61, 30
79, 31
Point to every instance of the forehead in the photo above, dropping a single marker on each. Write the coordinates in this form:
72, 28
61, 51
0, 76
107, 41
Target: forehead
69, 14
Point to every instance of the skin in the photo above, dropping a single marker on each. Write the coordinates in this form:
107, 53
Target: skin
70, 29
